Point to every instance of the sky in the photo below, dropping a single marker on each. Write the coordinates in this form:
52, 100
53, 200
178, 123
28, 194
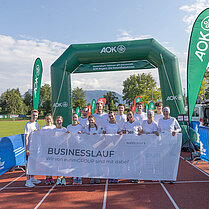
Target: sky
46, 28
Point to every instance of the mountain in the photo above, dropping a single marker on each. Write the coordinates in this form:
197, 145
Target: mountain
96, 94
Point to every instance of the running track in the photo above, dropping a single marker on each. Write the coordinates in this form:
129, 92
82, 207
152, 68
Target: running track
190, 191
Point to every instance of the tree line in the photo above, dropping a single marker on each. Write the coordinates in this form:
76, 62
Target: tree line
11, 101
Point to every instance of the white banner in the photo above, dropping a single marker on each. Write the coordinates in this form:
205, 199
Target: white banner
145, 157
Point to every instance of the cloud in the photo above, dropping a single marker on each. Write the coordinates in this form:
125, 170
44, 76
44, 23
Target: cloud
125, 35
18, 56
193, 10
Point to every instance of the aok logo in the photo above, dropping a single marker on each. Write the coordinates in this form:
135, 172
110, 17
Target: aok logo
202, 44
205, 23
172, 98
37, 70
113, 49
61, 104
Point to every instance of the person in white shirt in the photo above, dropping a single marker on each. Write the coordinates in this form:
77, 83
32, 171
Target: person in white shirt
159, 114
140, 115
149, 126
75, 128
168, 123
49, 122
131, 126
121, 117
112, 127
100, 117
49, 126
92, 128
31, 126
59, 128
83, 120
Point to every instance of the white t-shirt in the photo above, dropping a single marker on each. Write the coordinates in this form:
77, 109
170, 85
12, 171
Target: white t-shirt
168, 125
111, 128
84, 122
63, 129
30, 127
74, 129
121, 119
92, 130
157, 117
149, 128
48, 127
131, 128
140, 117
101, 119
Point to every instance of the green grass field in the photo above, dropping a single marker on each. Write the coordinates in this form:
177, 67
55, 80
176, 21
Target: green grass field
10, 128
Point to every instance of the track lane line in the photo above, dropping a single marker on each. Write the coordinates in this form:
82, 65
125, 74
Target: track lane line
195, 167
38, 205
105, 195
12, 182
169, 196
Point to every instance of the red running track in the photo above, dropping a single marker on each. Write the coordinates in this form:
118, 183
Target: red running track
191, 191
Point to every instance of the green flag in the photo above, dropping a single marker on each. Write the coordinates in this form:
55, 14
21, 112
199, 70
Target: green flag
146, 108
93, 105
37, 75
198, 58
151, 106
78, 111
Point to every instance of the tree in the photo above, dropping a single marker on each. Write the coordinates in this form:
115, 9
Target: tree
78, 98
204, 88
12, 103
111, 100
28, 101
45, 101
142, 85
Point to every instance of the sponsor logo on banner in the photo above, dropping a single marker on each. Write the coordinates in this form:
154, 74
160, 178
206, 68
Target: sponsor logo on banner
61, 104
172, 98
113, 49
36, 79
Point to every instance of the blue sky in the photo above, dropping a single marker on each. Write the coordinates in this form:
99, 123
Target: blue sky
45, 28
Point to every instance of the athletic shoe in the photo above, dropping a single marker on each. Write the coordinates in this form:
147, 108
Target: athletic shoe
47, 181
111, 181
116, 181
135, 181
51, 180
97, 181
30, 184
63, 182
92, 181
75, 181
35, 181
58, 181
79, 181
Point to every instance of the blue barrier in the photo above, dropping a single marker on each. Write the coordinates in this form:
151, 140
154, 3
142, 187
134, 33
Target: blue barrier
12, 152
195, 126
204, 143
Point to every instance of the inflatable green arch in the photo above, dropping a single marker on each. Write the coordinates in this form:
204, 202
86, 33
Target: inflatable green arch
115, 56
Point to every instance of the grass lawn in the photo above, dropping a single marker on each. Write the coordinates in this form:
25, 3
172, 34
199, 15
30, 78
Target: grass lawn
10, 128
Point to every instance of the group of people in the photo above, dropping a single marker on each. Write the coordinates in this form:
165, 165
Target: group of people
105, 123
